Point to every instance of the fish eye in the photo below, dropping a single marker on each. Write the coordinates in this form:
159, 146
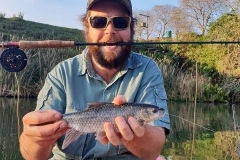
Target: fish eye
155, 110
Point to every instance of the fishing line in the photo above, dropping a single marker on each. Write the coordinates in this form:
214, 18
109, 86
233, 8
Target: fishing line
191, 122
235, 123
236, 127
17, 107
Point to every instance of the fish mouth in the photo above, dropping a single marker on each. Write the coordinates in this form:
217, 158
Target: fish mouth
161, 112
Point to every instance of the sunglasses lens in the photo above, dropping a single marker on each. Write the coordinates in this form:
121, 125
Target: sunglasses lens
101, 22
98, 22
121, 22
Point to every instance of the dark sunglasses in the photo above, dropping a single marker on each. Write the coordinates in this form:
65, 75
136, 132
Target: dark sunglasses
119, 23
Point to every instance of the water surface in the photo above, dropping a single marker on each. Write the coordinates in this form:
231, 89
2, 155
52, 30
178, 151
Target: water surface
186, 140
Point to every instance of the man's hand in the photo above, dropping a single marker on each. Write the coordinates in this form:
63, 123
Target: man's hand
127, 130
41, 129
137, 139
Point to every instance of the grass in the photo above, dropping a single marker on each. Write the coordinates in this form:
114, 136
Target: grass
28, 30
181, 85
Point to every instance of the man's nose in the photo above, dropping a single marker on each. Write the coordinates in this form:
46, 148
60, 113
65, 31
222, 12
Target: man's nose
110, 28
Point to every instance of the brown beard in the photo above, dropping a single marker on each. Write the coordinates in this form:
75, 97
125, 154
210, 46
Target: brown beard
109, 60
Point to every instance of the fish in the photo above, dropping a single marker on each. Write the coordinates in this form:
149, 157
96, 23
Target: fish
93, 118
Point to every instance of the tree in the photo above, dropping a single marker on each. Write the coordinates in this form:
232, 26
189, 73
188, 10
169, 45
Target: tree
141, 17
234, 6
227, 28
163, 18
2, 15
20, 15
179, 25
201, 12
138, 28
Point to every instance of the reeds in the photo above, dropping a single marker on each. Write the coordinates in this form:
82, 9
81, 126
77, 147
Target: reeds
181, 85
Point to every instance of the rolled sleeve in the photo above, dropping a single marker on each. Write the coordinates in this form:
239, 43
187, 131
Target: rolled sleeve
161, 99
52, 95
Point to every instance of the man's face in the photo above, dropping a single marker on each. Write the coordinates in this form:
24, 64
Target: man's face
110, 57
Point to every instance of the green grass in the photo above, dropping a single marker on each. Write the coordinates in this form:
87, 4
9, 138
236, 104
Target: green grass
28, 30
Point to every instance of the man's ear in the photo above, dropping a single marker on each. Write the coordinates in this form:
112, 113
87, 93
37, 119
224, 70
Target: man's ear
86, 26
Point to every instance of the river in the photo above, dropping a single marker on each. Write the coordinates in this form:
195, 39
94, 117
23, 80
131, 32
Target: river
212, 135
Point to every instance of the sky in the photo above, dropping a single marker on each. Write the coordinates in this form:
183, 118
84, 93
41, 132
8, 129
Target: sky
64, 13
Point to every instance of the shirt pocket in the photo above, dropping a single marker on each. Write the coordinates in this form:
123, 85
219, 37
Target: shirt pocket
160, 94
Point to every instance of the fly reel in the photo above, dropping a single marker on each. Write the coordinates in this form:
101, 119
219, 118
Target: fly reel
13, 59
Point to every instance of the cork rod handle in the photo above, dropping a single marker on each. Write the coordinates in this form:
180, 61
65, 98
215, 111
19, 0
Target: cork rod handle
46, 44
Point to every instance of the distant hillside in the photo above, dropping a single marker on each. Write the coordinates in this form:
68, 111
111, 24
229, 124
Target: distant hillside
28, 30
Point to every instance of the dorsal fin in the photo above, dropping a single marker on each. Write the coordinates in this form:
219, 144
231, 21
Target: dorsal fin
92, 105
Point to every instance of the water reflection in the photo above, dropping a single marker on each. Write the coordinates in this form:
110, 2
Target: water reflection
9, 128
217, 144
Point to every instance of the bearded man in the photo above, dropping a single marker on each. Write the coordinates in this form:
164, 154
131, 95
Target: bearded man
107, 73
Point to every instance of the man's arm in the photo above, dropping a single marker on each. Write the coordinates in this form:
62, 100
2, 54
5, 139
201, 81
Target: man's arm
41, 129
149, 146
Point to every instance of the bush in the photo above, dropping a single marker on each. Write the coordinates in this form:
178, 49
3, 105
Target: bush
215, 94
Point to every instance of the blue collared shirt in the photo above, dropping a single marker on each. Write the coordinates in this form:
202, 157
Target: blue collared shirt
73, 83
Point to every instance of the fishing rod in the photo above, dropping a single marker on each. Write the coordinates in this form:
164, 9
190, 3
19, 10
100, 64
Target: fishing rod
13, 59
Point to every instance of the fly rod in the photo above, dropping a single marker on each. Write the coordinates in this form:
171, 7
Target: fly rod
13, 59
60, 44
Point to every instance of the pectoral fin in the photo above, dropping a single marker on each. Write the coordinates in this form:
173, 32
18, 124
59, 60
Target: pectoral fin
70, 136
141, 122
151, 123
100, 135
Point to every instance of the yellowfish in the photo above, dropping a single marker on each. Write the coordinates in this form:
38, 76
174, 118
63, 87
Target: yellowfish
93, 118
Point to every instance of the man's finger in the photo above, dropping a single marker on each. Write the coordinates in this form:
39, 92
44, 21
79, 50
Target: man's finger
136, 128
111, 134
120, 99
46, 130
124, 129
41, 117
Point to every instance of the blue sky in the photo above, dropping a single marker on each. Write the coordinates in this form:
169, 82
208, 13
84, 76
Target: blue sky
62, 13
